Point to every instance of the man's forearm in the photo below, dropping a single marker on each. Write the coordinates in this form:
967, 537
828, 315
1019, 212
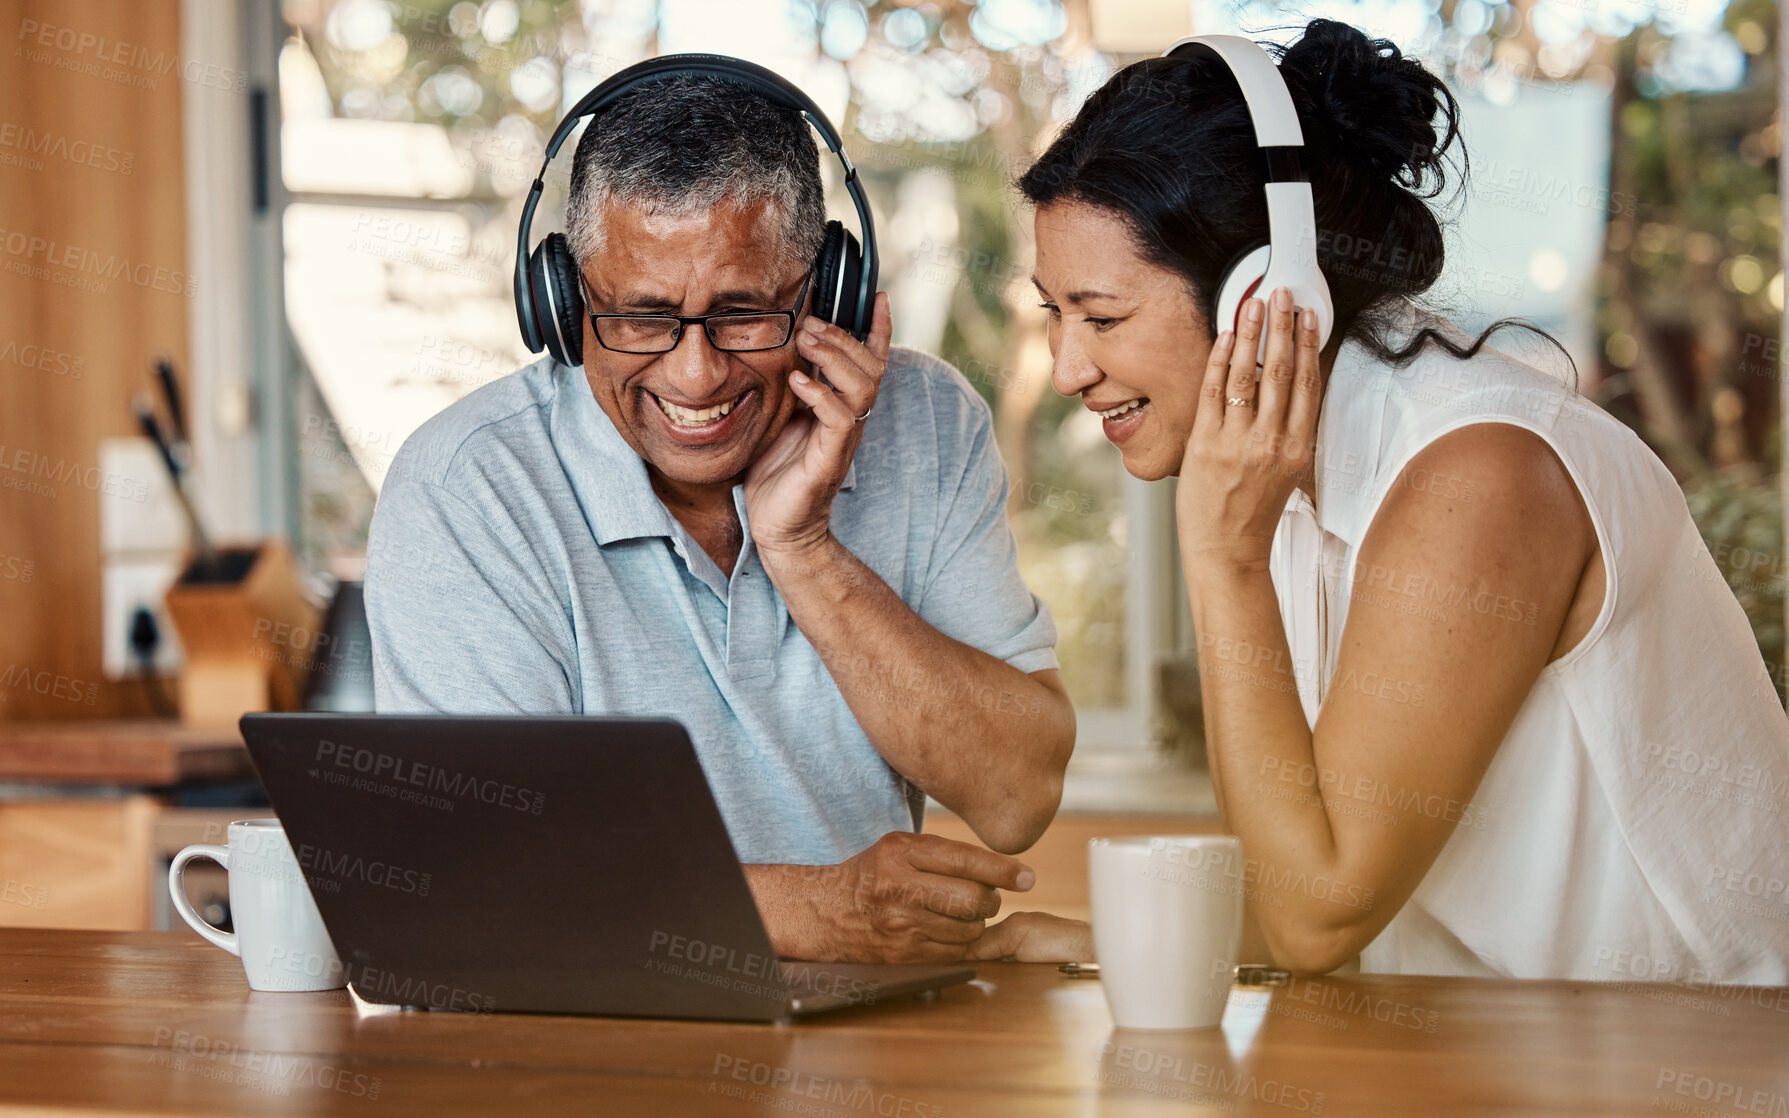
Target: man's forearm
986, 739
787, 917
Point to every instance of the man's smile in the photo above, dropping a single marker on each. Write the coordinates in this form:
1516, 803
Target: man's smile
710, 424
688, 416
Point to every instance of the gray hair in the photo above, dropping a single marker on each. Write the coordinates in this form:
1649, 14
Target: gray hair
683, 144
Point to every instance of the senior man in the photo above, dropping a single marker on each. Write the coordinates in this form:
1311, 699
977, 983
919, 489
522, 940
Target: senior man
697, 524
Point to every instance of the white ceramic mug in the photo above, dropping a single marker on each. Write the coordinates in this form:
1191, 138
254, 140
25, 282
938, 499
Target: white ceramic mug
1167, 922
279, 936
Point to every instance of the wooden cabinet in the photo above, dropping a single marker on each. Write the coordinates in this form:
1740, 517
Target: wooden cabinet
87, 826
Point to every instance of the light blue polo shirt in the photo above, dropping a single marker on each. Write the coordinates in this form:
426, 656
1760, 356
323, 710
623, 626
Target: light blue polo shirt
519, 562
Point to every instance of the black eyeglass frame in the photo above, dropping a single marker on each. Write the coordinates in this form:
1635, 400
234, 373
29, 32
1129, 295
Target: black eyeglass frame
685, 321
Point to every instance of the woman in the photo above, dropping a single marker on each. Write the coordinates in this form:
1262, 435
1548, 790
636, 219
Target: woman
1477, 700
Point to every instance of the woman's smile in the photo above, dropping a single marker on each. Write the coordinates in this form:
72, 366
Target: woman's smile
1126, 334
1123, 420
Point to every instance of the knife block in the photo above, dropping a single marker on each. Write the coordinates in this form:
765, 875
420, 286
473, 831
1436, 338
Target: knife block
249, 632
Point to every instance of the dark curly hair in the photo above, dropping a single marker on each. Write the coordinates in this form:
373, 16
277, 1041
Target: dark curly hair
1168, 146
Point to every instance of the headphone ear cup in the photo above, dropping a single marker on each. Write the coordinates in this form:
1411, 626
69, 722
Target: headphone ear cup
850, 275
837, 274
827, 267
1239, 282
558, 300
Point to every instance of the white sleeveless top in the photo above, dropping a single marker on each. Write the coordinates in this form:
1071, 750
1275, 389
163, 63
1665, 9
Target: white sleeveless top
1634, 823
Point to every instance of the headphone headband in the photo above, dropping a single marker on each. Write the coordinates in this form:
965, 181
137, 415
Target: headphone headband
769, 84
1270, 103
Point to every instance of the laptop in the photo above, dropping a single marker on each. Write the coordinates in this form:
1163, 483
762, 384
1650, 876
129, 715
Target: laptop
571, 864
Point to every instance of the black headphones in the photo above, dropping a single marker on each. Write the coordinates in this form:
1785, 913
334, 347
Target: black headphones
549, 300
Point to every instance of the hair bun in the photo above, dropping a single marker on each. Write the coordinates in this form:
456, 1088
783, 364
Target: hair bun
1361, 101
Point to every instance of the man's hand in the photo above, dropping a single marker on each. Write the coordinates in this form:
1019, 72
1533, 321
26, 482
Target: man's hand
790, 487
910, 898
1035, 937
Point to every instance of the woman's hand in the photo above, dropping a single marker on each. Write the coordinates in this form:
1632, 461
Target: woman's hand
1034, 937
1254, 437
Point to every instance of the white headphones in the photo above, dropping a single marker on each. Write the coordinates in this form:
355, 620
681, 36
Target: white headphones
1289, 259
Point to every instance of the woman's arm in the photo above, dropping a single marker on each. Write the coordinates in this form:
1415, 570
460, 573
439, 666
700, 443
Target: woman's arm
1456, 608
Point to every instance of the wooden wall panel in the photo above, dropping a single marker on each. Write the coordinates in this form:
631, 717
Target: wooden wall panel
78, 863
93, 281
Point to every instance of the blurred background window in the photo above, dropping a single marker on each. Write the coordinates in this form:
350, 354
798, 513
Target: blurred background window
1623, 197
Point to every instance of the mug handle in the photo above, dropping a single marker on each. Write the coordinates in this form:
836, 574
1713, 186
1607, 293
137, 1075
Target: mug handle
177, 890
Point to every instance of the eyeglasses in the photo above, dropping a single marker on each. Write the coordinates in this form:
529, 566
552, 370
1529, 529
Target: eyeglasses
732, 331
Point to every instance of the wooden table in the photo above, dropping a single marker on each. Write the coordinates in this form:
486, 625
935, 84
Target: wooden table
153, 1023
